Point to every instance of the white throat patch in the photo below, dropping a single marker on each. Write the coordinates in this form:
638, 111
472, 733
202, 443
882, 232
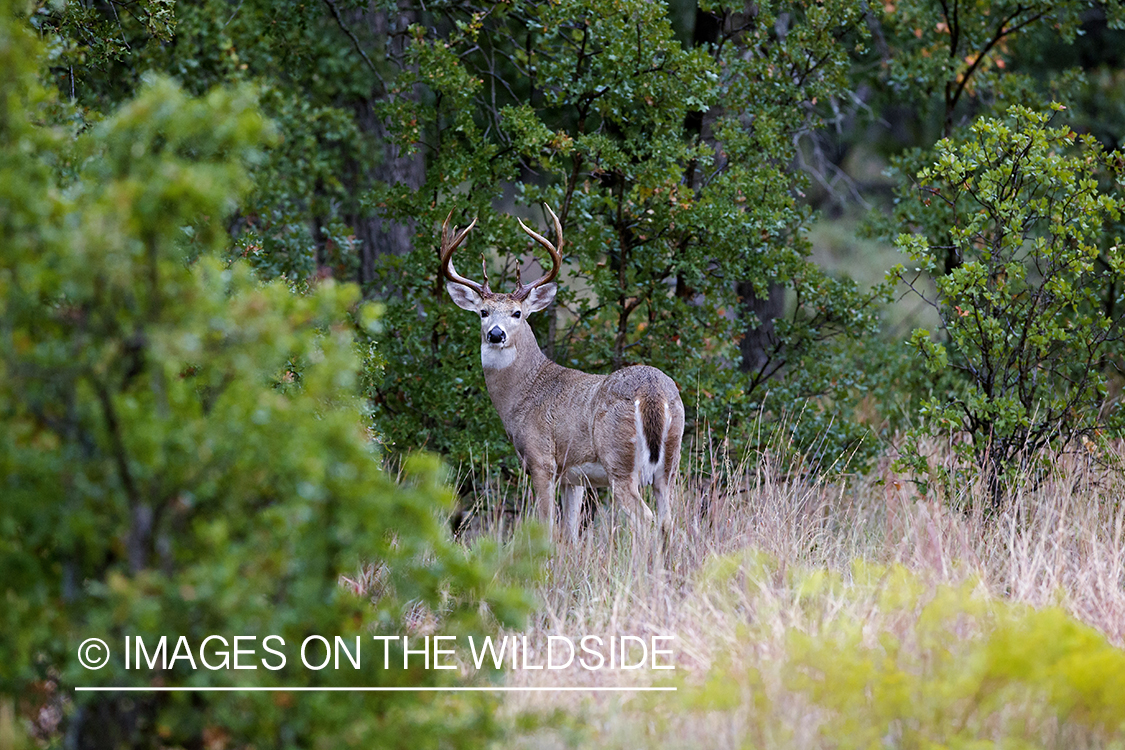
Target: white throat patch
496, 357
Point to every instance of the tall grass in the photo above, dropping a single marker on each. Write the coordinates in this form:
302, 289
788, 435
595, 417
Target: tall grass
773, 582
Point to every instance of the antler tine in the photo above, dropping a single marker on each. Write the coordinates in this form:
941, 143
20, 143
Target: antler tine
448, 245
555, 252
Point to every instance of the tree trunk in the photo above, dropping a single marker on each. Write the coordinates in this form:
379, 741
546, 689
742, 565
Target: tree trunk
759, 314
375, 235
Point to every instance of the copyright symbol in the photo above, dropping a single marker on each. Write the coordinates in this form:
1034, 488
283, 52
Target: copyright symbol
93, 653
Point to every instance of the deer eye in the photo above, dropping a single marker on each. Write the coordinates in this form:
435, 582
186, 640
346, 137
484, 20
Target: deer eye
484, 313
516, 314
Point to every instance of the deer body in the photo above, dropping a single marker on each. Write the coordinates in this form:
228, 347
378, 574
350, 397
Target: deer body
572, 429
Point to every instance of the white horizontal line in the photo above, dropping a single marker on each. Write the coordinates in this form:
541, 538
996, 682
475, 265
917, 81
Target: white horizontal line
427, 689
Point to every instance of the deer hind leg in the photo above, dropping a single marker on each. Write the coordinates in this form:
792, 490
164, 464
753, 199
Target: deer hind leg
627, 495
572, 495
666, 478
662, 490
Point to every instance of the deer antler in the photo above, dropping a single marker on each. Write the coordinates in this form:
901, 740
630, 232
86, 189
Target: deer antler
449, 243
556, 257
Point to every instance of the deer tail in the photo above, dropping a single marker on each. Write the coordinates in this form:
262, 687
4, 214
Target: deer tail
653, 420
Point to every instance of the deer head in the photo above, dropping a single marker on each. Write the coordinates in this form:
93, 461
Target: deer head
503, 317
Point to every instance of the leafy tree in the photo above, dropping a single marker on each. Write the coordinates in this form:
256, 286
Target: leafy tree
182, 450
672, 152
302, 216
1023, 313
948, 64
943, 68
670, 168
956, 55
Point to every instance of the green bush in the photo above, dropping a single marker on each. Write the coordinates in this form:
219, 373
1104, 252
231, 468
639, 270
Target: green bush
1030, 311
965, 669
878, 658
182, 449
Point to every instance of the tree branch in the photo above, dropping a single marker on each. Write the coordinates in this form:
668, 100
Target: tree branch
355, 41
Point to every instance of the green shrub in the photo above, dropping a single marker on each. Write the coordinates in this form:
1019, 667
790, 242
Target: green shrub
959, 668
1030, 310
879, 658
182, 448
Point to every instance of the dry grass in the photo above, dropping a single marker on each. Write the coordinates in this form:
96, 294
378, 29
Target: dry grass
734, 586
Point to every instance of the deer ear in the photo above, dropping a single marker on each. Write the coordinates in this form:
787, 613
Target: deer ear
540, 297
463, 296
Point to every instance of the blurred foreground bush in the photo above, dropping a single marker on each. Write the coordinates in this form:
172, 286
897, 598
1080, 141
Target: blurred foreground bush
182, 448
897, 662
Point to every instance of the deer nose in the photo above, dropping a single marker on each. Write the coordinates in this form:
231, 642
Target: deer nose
496, 335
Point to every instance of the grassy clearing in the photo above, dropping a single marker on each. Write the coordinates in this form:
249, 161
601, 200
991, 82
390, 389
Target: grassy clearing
851, 613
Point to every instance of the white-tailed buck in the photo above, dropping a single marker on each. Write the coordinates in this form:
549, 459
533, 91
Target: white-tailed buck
570, 428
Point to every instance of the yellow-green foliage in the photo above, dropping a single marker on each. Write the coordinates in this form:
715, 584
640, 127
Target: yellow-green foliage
884, 660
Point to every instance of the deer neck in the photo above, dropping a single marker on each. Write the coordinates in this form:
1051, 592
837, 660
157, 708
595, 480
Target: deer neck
509, 372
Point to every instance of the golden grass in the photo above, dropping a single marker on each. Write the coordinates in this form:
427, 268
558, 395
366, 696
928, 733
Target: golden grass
758, 558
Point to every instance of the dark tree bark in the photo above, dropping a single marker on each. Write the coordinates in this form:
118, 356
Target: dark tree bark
759, 314
375, 235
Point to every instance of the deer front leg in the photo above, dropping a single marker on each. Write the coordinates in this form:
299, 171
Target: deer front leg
543, 485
